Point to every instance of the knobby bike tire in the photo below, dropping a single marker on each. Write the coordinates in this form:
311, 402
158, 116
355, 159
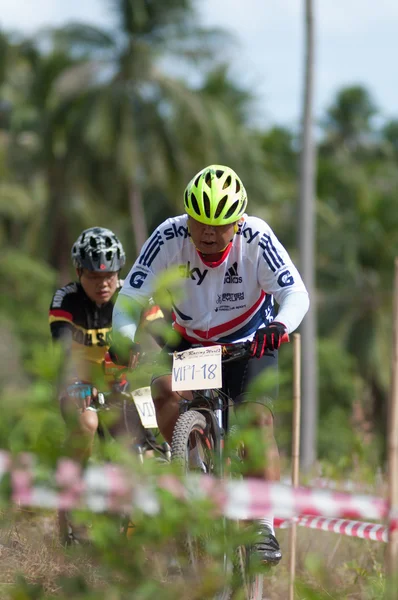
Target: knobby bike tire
252, 584
187, 424
194, 422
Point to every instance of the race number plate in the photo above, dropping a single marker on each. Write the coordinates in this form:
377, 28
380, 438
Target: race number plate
145, 407
197, 369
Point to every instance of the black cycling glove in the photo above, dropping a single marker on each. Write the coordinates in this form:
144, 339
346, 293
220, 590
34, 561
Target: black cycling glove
268, 338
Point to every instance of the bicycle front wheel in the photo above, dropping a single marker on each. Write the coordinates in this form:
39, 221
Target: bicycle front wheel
251, 582
191, 447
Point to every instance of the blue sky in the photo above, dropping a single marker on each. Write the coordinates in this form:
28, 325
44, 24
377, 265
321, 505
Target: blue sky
357, 42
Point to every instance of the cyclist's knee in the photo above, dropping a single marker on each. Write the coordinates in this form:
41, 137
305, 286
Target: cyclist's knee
88, 422
256, 413
264, 417
161, 391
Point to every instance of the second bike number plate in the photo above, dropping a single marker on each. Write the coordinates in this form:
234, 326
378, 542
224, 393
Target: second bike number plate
145, 407
197, 369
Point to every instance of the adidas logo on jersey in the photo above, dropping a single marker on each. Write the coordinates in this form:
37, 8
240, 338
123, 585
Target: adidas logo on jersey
232, 276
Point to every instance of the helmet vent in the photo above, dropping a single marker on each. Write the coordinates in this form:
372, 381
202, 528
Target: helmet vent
197, 180
108, 255
108, 242
221, 206
232, 209
206, 204
208, 179
237, 186
227, 182
186, 199
93, 242
219, 173
195, 204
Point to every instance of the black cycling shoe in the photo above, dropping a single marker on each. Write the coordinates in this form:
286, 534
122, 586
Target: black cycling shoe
267, 547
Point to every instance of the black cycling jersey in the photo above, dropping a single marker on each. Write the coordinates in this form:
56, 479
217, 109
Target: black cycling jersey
86, 327
79, 321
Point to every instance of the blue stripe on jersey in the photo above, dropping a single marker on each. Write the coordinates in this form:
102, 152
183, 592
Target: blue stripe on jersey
270, 253
144, 254
151, 250
154, 254
251, 327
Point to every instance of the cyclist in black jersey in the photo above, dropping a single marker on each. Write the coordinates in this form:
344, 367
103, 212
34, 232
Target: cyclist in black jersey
80, 319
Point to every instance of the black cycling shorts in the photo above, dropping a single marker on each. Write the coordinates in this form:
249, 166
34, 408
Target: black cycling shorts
244, 380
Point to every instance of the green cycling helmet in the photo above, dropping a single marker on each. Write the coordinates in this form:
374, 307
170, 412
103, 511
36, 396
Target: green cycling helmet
215, 196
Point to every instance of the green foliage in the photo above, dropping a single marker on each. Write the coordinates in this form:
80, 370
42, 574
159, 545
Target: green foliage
94, 128
27, 286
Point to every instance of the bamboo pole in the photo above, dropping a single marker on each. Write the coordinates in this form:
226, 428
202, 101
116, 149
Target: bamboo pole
392, 549
295, 451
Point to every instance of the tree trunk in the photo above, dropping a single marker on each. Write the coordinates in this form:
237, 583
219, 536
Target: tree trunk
307, 251
137, 215
59, 242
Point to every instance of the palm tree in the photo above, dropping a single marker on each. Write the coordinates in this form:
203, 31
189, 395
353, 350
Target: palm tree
348, 120
137, 117
357, 244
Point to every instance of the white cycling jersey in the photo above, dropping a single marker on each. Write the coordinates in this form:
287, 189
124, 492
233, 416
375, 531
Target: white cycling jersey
225, 301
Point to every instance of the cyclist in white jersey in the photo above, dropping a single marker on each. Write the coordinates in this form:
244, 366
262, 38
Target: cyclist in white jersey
233, 267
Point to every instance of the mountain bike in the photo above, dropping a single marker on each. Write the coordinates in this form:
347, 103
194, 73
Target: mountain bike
138, 403
201, 429
139, 417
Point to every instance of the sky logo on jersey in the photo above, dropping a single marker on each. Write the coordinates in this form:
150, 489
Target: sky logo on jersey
232, 276
174, 231
152, 249
247, 233
137, 279
196, 274
285, 279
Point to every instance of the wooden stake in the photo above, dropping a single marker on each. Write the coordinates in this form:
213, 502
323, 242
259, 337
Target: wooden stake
295, 451
392, 550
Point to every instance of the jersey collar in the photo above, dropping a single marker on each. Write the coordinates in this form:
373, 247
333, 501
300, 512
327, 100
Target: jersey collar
218, 262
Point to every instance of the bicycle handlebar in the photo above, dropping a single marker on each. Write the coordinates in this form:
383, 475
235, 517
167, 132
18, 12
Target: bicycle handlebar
230, 352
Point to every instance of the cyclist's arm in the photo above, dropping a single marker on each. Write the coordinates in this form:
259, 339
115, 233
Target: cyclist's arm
61, 328
278, 276
126, 317
62, 332
137, 289
292, 309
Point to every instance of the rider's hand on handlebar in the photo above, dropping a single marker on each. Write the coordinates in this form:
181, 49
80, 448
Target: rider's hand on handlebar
82, 393
268, 338
126, 356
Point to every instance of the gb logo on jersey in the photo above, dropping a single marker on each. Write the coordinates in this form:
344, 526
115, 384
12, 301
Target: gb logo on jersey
285, 279
137, 279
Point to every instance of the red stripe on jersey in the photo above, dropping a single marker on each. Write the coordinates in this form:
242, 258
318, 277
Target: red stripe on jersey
183, 332
61, 314
224, 327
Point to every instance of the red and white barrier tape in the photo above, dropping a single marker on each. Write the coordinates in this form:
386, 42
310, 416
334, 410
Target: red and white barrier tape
114, 488
359, 529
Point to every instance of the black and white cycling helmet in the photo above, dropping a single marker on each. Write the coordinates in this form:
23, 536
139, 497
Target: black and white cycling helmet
98, 249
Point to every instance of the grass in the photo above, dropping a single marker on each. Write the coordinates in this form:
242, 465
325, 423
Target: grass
30, 549
329, 566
